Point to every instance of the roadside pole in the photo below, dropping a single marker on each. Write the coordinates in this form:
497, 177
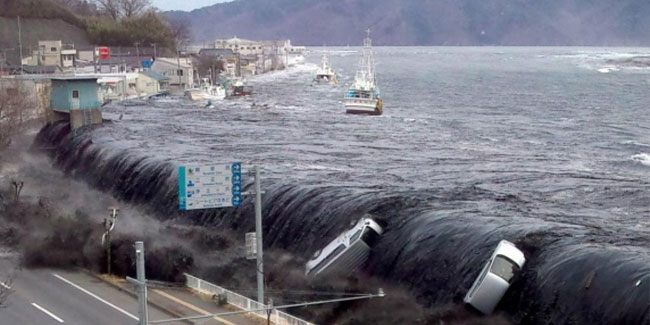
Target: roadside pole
109, 225
142, 284
258, 233
219, 186
20, 45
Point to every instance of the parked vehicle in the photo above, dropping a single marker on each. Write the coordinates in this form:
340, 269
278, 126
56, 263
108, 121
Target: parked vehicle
496, 277
348, 251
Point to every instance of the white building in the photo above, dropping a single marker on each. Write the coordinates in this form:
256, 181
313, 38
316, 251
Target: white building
180, 71
240, 45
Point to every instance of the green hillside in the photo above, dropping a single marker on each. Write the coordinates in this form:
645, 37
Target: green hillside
47, 20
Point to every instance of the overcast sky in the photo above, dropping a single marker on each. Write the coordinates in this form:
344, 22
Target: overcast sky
185, 5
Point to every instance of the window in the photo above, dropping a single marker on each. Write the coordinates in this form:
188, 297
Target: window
53, 49
370, 236
477, 283
179, 72
75, 94
355, 236
504, 268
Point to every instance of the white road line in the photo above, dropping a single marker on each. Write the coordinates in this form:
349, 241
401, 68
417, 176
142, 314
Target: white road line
47, 312
95, 296
4, 285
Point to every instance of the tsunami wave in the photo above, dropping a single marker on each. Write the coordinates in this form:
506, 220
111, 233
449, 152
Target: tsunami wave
435, 243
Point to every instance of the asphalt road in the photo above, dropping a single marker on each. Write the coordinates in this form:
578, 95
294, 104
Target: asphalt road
47, 296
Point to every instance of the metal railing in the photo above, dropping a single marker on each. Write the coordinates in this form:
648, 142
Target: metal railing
239, 301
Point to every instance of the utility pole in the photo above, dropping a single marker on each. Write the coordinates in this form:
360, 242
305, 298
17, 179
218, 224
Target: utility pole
20, 45
109, 225
258, 233
143, 313
178, 72
137, 52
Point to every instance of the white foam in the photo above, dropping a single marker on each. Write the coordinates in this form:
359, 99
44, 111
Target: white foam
642, 158
636, 143
286, 73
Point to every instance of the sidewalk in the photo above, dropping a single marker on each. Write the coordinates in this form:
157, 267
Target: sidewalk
182, 302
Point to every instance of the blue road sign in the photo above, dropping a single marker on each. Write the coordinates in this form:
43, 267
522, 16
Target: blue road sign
205, 187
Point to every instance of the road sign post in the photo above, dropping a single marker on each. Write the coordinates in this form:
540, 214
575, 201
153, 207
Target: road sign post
206, 187
258, 232
219, 186
251, 246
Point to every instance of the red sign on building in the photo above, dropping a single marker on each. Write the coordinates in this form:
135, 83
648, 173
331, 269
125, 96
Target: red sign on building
104, 52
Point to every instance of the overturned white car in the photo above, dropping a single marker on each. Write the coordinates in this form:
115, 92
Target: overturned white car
348, 251
496, 277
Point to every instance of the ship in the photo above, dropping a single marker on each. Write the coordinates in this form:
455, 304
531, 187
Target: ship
325, 74
239, 88
363, 96
206, 91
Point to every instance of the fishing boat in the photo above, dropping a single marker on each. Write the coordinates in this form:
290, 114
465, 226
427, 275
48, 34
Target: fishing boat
363, 96
239, 88
206, 91
325, 74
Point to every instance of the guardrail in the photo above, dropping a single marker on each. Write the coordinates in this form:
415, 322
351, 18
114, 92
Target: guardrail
239, 301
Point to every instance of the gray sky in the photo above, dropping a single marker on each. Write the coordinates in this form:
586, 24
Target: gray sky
185, 5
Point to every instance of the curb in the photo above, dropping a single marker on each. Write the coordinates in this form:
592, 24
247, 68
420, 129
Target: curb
133, 294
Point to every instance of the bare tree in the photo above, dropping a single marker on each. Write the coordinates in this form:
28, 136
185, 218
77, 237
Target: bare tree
7, 255
5, 288
181, 31
14, 100
18, 187
112, 7
131, 8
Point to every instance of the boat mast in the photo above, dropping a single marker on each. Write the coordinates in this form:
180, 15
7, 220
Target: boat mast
365, 77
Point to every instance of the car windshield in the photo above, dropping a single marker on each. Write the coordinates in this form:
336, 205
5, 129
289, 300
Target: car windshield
504, 268
356, 236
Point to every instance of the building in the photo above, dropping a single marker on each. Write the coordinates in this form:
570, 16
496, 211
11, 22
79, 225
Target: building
53, 53
231, 61
76, 99
180, 71
150, 82
240, 46
37, 69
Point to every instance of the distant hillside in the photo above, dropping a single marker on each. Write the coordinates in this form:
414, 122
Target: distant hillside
427, 22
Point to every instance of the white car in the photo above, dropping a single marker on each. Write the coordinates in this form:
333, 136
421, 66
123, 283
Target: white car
348, 251
496, 277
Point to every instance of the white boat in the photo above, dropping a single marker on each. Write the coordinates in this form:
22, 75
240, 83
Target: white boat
240, 88
325, 74
363, 95
348, 251
206, 92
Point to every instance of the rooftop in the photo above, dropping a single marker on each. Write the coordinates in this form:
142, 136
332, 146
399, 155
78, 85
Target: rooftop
154, 75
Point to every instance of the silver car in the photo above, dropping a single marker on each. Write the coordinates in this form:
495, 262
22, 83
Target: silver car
496, 277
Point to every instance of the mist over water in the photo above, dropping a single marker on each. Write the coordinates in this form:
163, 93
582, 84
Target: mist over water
534, 145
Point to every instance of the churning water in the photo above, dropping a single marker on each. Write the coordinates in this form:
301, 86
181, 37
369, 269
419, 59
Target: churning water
546, 147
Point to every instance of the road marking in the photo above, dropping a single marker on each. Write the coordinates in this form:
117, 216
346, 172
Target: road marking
95, 296
190, 306
47, 312
5, 285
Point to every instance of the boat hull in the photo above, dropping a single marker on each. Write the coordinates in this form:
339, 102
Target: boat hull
364, 106
326, 79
